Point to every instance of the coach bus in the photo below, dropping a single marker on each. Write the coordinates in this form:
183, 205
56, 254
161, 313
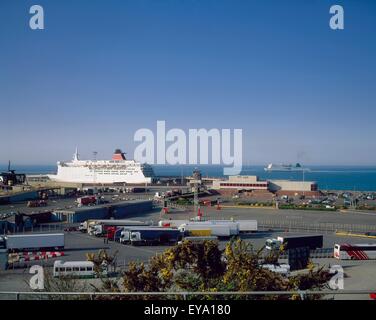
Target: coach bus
74, 269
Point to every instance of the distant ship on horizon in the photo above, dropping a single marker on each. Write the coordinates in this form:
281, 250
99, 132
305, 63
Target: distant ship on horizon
285, 167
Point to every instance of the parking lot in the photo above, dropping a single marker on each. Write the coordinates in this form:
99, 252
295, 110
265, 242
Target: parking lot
360, 274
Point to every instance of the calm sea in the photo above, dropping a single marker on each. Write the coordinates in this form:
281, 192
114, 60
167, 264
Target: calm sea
360, 178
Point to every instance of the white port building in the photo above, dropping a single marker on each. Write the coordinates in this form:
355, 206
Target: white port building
254, 183
290, 185
241, 183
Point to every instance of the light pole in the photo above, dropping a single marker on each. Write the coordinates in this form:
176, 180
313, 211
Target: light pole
94, 167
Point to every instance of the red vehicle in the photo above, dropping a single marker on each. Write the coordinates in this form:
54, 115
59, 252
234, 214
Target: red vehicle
111, 231
84, 201
208, 202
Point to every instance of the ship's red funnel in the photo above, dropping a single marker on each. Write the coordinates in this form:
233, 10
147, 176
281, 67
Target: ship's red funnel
118, 155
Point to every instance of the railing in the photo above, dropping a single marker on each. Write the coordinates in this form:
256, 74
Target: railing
263, 225
314, 227
50, 227
315, 254
179, 295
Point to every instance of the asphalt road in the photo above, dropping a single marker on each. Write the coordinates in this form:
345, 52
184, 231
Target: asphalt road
360, 274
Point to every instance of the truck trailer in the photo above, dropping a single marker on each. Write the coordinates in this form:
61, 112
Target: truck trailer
293, 242
172, 223
215, 228
247, 225
100, 230
240, 225
150, 236
35, 241
89, 225
87, 200
237, 225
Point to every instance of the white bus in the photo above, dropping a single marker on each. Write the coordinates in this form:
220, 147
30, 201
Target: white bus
74, 269
347, 251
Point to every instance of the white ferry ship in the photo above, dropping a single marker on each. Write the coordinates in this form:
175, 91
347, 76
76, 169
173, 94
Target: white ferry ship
285, 167
117, 170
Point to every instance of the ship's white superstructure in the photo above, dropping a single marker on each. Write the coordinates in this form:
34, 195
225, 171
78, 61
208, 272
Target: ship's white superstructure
117, 170
285, 167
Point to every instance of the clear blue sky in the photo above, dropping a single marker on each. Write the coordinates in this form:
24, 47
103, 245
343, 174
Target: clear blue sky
103, 69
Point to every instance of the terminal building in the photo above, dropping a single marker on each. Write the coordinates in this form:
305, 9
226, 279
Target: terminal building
241, 183
290, 185
253, 183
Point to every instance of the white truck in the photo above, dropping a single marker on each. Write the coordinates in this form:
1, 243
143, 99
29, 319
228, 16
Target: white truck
89, 226
101, 229
242, 225
172, 223
295, 241
35, 241
150, 235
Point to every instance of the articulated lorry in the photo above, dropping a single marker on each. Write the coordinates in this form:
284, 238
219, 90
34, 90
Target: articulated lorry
172, 223
242, 225
150, 236
293, 242
86, 201
34, 242
113, 233
101, 229
97, 226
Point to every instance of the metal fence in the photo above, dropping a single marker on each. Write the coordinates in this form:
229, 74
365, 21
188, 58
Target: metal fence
325, 294
263, 225
50, 228
321, 253
292, 225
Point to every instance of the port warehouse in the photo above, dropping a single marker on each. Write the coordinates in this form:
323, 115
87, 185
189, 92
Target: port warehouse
119, 210
246, 182
20, 195
109, 211
254, 183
